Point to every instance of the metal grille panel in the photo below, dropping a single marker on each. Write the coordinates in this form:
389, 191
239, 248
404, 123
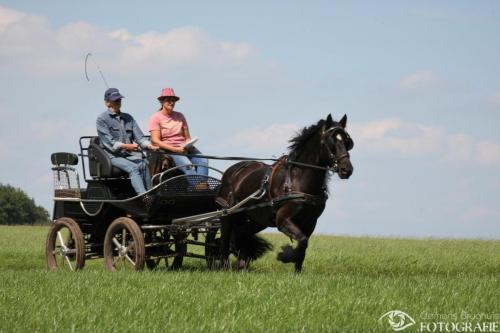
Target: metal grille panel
189, 185
66, 182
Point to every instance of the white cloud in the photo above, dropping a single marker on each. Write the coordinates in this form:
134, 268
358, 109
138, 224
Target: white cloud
28, 43
488, 153
395, 136
8, 16
376, 129
460, 148
178, 46
269, 139
463, 148
420, 79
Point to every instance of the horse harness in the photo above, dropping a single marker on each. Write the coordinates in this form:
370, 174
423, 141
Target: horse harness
285, 162
288, 193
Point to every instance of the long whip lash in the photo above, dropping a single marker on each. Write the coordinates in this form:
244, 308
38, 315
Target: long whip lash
89, 55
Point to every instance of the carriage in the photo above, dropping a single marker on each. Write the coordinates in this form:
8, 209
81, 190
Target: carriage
221, 214
107, 220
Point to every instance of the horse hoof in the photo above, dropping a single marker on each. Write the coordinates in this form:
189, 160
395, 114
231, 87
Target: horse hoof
242, 265
287, 254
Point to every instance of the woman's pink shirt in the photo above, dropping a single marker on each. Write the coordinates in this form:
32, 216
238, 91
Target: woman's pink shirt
170, 127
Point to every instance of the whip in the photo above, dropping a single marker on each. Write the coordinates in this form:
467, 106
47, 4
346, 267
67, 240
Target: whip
89, 55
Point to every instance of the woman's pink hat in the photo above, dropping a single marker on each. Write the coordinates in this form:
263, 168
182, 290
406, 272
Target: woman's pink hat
168, 92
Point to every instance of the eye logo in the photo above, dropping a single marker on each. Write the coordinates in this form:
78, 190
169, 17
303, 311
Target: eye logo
398, 320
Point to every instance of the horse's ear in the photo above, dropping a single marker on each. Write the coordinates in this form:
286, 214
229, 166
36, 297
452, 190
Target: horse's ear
329, 119
343, 121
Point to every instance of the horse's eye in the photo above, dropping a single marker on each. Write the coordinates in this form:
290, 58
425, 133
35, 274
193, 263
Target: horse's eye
397, 319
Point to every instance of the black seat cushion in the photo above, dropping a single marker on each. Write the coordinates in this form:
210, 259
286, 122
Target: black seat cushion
100, 163
64, 159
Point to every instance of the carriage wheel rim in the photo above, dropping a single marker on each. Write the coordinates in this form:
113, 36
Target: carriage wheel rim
124, 245
65, 246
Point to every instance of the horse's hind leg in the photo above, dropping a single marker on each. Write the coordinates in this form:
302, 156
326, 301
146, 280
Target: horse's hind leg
229, 234
225, 240
249, 245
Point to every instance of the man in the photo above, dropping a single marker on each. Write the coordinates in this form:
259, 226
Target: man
120, 136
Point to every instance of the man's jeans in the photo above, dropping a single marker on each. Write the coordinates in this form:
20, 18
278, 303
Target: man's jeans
137, 170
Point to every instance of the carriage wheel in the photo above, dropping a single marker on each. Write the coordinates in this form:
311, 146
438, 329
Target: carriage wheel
124, 246
212, 254
179, 247
151, 238
65, 246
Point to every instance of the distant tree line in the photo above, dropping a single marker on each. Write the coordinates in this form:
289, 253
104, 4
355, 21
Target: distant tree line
17, 208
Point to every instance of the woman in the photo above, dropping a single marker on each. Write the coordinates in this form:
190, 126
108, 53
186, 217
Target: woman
169, 130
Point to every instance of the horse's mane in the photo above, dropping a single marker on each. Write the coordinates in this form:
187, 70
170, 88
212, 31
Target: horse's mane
303, 136
300, 140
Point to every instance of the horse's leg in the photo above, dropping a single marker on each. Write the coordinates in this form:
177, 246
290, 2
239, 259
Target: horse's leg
250, 246
286, 226
229, 235
297, 254
225, 240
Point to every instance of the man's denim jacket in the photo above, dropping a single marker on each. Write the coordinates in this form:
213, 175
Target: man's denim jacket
114, 131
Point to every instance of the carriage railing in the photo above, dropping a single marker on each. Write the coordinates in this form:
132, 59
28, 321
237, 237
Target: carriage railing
160, 176
84, 153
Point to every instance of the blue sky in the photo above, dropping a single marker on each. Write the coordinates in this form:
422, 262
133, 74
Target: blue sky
419, 81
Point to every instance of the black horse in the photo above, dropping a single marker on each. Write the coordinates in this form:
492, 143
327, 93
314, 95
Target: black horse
291, 193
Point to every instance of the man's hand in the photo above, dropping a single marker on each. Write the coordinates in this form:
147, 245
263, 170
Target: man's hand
130, 146
152, 147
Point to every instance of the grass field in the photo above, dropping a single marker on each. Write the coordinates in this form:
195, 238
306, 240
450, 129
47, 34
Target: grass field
347, 284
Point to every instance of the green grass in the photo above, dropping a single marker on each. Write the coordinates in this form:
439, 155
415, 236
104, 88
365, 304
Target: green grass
347, 284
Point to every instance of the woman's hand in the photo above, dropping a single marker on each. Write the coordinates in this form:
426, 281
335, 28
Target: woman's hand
178, 150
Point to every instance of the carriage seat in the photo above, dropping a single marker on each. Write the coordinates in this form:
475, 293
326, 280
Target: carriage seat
100, 163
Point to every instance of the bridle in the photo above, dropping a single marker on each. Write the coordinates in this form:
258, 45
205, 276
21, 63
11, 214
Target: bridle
334, 158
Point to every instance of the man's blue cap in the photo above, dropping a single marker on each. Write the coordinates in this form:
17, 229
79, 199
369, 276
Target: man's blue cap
112, 94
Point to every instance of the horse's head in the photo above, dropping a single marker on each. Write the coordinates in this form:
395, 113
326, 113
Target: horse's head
325, 144
336, 144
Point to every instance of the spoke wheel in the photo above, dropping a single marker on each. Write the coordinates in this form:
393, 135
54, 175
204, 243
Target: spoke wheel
65, 246
212, 253
124, 246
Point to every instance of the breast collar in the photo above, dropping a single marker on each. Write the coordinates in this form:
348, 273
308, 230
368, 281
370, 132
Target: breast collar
283, 162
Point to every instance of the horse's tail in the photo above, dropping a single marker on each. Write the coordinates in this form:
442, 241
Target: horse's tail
255, 246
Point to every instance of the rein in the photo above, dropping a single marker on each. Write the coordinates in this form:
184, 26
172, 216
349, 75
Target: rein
239, 158
332, 168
